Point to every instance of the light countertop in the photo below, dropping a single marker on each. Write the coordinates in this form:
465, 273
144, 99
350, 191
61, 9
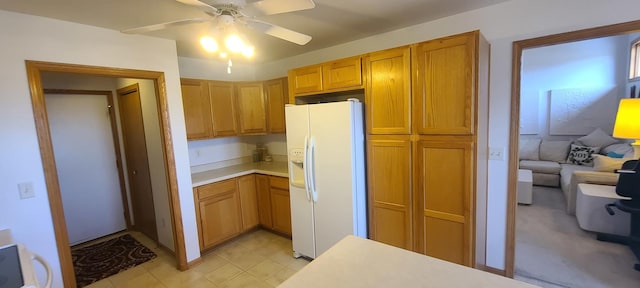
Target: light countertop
275, 168
355, 262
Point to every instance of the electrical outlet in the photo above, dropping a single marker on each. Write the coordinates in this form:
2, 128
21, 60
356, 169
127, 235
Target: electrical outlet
496, 153
26, 190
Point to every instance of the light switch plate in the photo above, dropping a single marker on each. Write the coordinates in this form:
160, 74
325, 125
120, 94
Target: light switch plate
26, 190
496, 153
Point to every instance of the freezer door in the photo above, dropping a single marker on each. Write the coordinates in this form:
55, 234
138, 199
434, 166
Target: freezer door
337, 166
297, 121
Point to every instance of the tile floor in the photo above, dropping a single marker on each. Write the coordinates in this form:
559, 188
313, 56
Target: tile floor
257, 259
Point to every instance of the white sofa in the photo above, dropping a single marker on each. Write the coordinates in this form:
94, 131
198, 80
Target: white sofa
553, 163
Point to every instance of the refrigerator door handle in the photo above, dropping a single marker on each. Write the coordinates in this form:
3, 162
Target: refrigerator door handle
305, 167
312, 170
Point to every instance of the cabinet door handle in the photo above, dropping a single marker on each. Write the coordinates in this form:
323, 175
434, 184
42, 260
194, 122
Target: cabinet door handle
134, 172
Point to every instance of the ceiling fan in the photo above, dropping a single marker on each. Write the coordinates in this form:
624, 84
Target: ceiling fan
227, 12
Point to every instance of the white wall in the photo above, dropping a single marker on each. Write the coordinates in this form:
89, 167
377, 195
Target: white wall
36, 38
216, 70
597, 65
501, 24
155, 156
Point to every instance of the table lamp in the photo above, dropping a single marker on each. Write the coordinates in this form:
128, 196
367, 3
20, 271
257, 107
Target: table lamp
627, 124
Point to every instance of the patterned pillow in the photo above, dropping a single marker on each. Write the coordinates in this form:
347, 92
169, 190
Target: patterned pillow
581, 155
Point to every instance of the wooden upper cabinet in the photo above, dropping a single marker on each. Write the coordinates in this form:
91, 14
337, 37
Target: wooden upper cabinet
335, 76
305, 80
388, 93
389, 176
445, 198
197, 109
248, 201
277, 96
251, 108
344, 73
223, 108
445, 88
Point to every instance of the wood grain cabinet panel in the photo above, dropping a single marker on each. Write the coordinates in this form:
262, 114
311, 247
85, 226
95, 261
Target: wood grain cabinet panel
306, 80
248, 201
277, 95
264, 200
445, 198
251, 108
217, 212
197, 109
223, 108
388, 93
343, 73
281, 210
445, 85
389, 176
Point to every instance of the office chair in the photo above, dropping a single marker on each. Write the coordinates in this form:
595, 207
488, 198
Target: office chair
628, 186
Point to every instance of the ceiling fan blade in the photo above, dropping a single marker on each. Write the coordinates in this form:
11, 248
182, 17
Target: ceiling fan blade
270, 7
279, 32
201, 5
149, 28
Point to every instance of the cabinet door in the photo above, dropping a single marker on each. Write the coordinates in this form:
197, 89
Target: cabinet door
197, 109
389, 91
444, 206
276, 91
248, 201
223, 108
280, 205
251, 108
445, 85
264, 200
220, 218
343, 73
389, 176
305, 80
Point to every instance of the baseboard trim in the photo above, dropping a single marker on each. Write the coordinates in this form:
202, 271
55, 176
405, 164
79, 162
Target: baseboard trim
194, 263
492, 270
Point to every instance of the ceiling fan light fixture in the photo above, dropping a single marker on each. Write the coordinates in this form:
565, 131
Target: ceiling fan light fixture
248, 51
209, 44
234, 43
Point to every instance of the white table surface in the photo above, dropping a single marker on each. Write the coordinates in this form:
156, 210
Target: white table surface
604, 191
355, 262
275, 168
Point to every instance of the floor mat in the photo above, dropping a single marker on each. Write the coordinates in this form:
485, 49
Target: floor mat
101, 260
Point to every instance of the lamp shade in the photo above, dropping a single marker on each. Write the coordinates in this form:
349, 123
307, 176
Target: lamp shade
628, 119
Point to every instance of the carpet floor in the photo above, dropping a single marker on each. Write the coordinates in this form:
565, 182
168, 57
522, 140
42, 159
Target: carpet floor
552, 250
101, 260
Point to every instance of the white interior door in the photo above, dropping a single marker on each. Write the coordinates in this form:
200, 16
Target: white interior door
332, 137
86, 164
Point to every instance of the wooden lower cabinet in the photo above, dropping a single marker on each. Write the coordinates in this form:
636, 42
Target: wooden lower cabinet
227, 208
444, 199
248, 201
274, 204
389, 176
218, 212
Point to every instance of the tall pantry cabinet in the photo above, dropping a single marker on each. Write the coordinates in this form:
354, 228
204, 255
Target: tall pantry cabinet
422, 144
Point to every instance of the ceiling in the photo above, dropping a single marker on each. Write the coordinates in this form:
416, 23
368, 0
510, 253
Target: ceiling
330, 23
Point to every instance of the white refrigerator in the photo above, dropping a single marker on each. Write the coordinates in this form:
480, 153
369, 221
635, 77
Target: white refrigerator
325, 144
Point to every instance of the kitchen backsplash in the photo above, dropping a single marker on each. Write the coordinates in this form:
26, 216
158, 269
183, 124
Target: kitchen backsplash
222, 152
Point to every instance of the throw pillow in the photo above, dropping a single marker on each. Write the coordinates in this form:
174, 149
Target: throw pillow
614, 155
603, 163
597, 138
555, 151
582, 155
528, 149
620, 148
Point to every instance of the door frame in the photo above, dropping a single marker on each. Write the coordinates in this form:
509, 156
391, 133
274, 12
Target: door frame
514, 130
114, 134
34, 70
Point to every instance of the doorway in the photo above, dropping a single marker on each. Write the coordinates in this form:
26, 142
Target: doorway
137, 162
518, 47
34, 71
85, 142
